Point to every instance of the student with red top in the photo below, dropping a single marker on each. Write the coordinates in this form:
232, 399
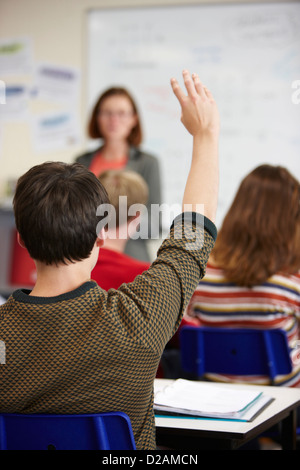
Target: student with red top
125, 189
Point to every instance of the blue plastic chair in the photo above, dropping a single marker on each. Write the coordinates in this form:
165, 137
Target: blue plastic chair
105, 431
234, 351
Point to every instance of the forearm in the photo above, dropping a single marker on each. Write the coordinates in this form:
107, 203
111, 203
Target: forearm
160, 295
200, 116
201, 191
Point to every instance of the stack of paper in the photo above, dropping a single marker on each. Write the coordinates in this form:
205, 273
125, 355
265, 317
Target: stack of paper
205, 399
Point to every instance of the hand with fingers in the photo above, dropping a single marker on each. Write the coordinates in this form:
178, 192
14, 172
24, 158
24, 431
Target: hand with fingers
200, 116
199, 110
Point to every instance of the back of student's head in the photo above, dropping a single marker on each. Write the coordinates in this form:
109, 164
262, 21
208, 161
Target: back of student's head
124, 183
260, 233
55, 208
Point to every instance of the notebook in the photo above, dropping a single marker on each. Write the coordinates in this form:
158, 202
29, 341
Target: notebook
203, 399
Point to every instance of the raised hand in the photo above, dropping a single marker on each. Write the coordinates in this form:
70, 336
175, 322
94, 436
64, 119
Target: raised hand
199, 111
200, 116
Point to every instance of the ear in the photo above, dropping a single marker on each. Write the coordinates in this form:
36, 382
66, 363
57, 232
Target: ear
20, 241
99, 242
101, 238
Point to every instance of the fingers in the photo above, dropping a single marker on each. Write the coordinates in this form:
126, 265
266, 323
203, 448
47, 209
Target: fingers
199, 86
177, 90
208, 94
189, 83
193, 86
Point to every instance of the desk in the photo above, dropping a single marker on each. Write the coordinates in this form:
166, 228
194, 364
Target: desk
196, 434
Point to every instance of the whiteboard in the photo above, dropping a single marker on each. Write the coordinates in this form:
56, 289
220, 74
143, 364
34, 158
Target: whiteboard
248, 55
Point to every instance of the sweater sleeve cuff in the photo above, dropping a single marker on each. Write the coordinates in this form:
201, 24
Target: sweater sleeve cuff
197, 219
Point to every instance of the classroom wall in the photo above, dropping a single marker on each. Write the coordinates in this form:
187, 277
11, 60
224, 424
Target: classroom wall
56, 29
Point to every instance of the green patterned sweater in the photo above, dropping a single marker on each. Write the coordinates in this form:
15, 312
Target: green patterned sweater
91, 351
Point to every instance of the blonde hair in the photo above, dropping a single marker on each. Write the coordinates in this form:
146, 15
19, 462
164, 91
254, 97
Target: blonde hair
124, 183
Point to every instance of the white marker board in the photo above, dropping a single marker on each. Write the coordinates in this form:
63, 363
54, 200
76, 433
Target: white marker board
247, 54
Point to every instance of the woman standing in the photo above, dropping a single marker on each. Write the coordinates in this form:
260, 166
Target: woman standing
115, 120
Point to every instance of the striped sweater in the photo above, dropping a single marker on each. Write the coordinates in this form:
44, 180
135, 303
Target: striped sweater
274, 304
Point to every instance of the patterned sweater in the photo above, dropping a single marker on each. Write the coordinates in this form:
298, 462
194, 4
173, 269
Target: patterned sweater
91, 351
274, 304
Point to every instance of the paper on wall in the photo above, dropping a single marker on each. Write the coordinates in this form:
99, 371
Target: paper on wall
55, 131
57, 83
16, 56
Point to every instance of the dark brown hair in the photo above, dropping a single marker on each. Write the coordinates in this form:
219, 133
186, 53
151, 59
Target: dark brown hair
135, 137
260, 233
55, 211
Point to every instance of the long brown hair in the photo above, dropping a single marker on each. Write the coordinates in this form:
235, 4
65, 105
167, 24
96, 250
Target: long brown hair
260, 233
135, 136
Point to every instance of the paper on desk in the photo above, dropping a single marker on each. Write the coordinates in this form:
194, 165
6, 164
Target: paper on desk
205, 399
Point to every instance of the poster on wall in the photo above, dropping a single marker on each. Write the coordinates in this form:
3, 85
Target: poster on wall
43, 96
16, 56
57, 127
54, 131
57, 83
16, 105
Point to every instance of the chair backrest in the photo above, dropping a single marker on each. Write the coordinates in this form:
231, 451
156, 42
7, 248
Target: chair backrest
234, 351
105, 431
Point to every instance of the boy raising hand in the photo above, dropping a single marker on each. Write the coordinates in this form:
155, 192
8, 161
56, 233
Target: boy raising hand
72, 347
